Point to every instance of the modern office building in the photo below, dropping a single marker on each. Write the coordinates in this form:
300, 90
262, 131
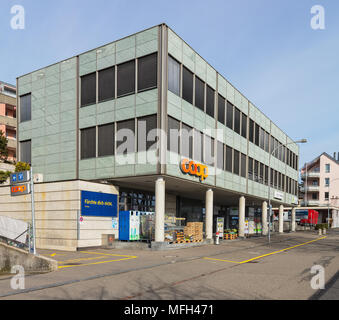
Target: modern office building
91, 117
320, 186
8, 121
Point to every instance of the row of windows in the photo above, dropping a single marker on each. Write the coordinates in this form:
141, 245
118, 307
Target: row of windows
120, 80
194, 144
259, 172
118, 138
195, 91
116, 81
191, 143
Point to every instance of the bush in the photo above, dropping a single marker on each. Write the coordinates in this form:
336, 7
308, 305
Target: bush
321, 226
22, 166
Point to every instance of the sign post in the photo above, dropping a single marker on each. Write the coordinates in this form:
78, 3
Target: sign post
21, 183
33, 210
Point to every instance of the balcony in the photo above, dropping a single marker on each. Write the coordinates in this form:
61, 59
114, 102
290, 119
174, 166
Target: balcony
8, 121
309, 189
11, 143
311, 174
314, 203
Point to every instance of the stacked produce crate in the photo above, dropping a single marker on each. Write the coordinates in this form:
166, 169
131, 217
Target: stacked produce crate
193, 230
230, 234
179, 237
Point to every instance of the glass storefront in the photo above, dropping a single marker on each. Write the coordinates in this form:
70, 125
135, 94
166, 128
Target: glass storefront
136, 200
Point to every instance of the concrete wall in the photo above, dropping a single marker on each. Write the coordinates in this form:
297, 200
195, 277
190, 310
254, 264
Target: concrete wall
57, 212
13, 256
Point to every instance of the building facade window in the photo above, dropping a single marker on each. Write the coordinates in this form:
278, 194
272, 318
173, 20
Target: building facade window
327, 195
244, 125
106, 140
187, 85
147, 72
186, 141
257, 134
236, 162
199, 94
209, 150
125, 137
106, 84
221, 109
173, 135
243, 165
250, 168
88, 143
198, 146
251, 131
173, 76
210, 94
220, 155
229, 159
26, 151
327, 182
237, 115
327, 168
88, 89
126, 78
256, 171
229, 115
26, 107
147, 140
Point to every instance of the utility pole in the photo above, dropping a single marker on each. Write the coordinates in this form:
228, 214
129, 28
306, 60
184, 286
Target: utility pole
33, 211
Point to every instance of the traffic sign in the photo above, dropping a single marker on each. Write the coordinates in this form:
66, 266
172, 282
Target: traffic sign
20, 177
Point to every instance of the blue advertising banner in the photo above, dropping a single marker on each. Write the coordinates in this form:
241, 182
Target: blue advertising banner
99, 204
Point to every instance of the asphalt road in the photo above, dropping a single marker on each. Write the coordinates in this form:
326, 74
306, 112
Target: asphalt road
239, 269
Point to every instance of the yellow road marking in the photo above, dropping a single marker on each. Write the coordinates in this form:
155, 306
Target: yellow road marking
108, 254
206, 258
102, 255
92, 263
267, 254
53, 254
81, 259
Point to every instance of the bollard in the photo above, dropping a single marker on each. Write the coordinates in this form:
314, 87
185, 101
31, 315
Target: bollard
324, 231
217, 238
319, 232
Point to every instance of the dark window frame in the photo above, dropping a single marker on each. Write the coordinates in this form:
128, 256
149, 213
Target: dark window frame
87, 81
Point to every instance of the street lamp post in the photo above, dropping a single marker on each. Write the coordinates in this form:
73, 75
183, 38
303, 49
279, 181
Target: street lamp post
269, 182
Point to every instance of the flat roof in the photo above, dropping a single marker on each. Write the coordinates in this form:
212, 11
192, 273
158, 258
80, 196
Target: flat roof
158, 25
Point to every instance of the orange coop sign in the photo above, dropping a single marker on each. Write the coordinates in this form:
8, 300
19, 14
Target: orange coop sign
19, 190
194, 169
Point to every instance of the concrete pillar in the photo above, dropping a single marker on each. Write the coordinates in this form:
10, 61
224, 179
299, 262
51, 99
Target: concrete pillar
159, 210
334, 218
209, 214
281, 218
293, 220
241, 216
264, 218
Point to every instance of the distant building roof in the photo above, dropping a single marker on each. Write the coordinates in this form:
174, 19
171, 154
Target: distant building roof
317, 158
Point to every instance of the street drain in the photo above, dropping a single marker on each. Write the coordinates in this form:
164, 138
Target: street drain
72, 264
253, 261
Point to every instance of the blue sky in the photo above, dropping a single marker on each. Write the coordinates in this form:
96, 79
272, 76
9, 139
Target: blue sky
266, 49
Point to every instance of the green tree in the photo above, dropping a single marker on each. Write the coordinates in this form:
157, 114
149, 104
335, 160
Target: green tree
22, 166
3, 147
